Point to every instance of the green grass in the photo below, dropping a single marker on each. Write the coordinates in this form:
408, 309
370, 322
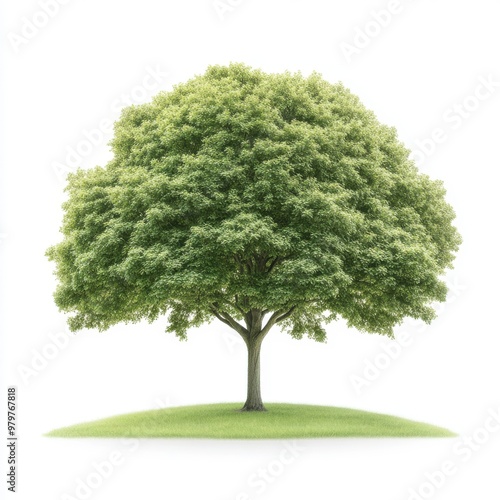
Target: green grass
223, 421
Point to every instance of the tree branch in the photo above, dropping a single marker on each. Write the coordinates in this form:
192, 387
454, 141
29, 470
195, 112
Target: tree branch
273, 263
230, 321
235, 305
276, 317
219, 317
286, 315
240, 264
261, 260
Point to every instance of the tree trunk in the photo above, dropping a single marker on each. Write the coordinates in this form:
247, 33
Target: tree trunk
253, 335
254, 399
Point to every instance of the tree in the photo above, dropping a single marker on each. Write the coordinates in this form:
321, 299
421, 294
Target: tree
260, 200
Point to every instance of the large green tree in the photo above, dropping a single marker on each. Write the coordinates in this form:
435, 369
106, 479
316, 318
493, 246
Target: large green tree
260, 200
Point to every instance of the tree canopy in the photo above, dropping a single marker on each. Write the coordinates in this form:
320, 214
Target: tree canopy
241, 191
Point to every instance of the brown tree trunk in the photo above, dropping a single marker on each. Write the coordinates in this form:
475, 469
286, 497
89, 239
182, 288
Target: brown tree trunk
253, 335
254, 399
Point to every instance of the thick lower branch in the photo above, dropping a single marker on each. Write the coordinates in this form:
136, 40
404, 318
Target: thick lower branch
230, 321
275, 318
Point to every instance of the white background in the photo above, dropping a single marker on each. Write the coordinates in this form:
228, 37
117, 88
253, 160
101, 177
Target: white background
80, 68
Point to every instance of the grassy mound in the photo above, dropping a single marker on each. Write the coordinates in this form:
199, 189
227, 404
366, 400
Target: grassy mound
224, 421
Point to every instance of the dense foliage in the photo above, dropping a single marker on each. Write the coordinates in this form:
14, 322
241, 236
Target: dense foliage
241, 195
